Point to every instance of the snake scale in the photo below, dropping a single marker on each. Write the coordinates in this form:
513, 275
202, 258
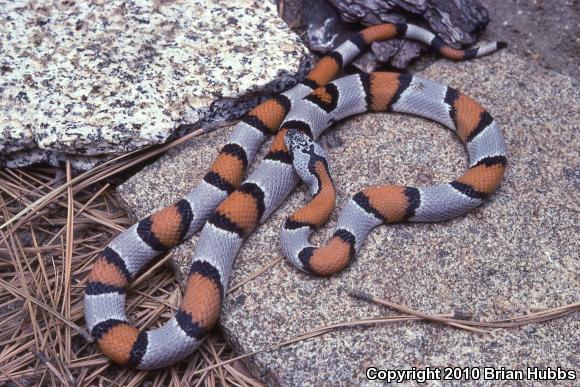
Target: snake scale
227, 209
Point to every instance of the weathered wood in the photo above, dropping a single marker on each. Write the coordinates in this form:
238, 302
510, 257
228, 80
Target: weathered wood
326, 23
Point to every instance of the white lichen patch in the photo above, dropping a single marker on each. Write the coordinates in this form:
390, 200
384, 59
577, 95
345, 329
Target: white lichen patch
106, 77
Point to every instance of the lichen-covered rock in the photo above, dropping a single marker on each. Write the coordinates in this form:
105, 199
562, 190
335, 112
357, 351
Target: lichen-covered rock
28, 157
105, 77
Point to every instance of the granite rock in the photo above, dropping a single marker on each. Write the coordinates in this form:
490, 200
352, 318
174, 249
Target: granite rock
106, 77
516, 253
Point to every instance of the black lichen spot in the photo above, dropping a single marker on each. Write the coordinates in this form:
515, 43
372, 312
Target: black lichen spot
22, 97
5, 69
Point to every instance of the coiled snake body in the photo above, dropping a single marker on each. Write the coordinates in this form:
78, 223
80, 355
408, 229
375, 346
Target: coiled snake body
229, 208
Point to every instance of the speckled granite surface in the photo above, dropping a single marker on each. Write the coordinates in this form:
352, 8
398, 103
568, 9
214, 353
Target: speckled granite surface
103, 77
516, 253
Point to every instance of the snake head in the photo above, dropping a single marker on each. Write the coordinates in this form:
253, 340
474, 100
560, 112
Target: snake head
299, 144
301, 149
296, 141
304, 153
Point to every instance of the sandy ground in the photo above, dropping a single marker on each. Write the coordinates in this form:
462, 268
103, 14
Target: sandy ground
547, 32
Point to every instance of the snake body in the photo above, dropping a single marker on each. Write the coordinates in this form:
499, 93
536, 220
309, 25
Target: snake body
385, 204
227, 209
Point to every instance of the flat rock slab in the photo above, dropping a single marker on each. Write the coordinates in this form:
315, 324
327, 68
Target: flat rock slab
106, 77
516, 253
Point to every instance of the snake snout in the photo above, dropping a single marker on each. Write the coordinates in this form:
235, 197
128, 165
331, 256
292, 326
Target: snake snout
295, 140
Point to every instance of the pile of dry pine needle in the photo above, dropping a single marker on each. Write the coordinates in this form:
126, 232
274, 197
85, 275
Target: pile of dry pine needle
52, 227
58, 225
